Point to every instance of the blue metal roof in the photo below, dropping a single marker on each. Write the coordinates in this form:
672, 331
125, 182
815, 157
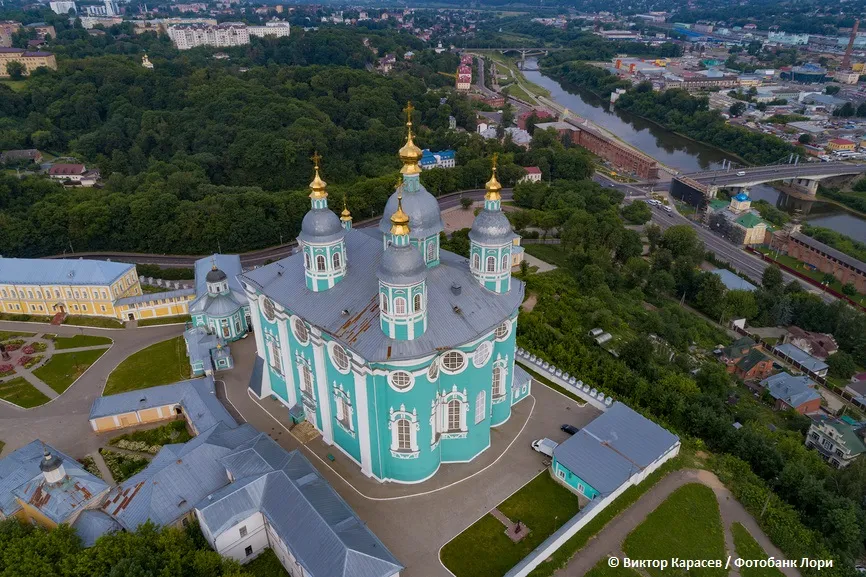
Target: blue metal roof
21, 478
153, 297
521, 377
66, 271
196, 396
794, 391
228, 263
732, 281
93, 524
742, 197
453, 319
617, 444
805, 359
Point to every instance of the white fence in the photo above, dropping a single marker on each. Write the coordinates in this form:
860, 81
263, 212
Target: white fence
568, 382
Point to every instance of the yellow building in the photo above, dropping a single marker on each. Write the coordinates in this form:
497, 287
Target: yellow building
31, 60
154, 305
838, 144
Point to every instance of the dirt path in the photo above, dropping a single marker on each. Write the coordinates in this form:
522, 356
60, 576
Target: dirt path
609, 541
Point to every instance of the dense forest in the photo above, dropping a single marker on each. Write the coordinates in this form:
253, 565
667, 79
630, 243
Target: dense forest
602, 281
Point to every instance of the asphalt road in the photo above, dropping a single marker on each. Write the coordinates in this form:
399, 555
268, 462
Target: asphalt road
775, 172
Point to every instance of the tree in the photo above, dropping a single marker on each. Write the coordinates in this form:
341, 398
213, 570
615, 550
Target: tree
849, 289
15, 70
772, 279
804, 138
740, 304
737, 109
466, 202
845, 110
653, 235
827, 278
683, 242
842, 365
710, 297
832, 89
638, 212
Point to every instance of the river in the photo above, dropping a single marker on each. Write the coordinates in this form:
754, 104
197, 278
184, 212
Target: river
679, 152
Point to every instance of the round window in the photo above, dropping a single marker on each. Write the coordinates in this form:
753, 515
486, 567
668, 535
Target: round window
339, 357
400, 380
482, 354
433, 371
300, 330
453, 361
502, 330
268, 309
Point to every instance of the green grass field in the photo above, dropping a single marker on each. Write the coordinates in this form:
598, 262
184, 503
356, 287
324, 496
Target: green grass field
100, 322
15, 85
61, 343
748, 548
483, 550
165, 321
14, 334
549, 253
687, 525
266, 565
18, 391
159, 364
63, 369
173, 432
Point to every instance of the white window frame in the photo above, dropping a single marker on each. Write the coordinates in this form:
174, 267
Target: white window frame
480, 406
302, 337
274, 351
433, 370
307, 262
392, 377
383, 305
431, 250
321, 263
505, 261
397, 418
482, 354
476, 261
501, 332
491, 264
339, 357
453, 354
399, 306
417, 303
344, 409
336, 260
440, 414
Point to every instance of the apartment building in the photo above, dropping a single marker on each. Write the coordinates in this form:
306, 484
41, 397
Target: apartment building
186, 36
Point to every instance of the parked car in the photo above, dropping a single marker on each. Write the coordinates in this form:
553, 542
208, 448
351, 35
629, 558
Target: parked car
668, 209
570, 429
544, 446
741, 173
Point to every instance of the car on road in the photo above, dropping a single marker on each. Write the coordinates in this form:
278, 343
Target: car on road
545, 446
668, 209
570, 429
741, 173
653, 202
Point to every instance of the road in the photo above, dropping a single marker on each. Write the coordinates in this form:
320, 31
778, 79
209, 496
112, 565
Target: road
762, 174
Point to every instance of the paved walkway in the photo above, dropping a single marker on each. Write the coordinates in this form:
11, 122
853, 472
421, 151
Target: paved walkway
609, 540
104, 471
63, 422
533, 261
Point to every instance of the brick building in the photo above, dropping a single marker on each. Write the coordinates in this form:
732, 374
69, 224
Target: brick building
824, 258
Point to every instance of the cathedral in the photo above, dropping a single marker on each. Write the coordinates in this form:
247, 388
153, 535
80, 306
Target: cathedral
401, 354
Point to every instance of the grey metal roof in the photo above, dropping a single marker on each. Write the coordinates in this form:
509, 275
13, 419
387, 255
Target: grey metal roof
153, 297
178, 477
452, 319
256, 376
50, 271
220, 305
491, 227
425, 218
792, 390
617, 444
229, 264
732, 281
20, 477
93, 524
857, 265
520, 378
196, 396
214, 275
401, 266
320, 225
322, 532
805, 359
199, 343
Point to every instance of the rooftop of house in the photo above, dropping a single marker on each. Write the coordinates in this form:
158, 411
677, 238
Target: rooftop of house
732, 281
532, 170
748, 362
66, 169
750, 220
61, 271
617, 444
734, 350
850, 432
793, 391
805, 359
819, 345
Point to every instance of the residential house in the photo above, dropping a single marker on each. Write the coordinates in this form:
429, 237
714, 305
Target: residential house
26, 155
802, 359
819, 345
7, 29
840, 144
792, 392
441, 159
743, 359
533, 174
73, 174
838, 440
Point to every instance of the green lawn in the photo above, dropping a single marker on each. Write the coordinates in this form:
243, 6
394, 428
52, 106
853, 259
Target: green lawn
549, 253
63, 369
13, 334
748, 548
80, 341
483, 550
266, 565
151, 289
18, 391
602, 569
159, 364
687, 525
24, 318
101, 322
165, 321
15, 85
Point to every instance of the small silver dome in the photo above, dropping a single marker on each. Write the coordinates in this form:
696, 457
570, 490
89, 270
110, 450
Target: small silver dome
402, 265
425, 218
320, 225
215, 275
491, 227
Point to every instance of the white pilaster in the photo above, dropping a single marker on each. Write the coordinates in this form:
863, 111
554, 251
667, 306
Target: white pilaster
288, 366
324, 403
362, 413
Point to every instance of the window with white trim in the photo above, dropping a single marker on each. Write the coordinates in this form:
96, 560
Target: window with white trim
482, 354
307, 381
404, 433
498, 381
433, 371
320, 263
505, 260
454, 407
480, 406
335, 259
453, 361
344, 409
431, 251
476, 262
400, 380
274, 352
399, 306
300, 330
416, 304
502, 331
491, 264
307, 260
243, 531
384, 303
339, 357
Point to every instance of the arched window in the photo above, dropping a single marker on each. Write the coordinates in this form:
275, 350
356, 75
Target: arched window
399, 306
416, 305
320, 263
476, 262
384, 303
480, 405
505, 261
491, 264
336, 260
431, 251
404, 436
307, 260
498, 382
307, 381
453, 415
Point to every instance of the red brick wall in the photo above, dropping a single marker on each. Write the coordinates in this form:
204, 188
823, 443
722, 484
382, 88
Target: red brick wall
825, 264
618, 155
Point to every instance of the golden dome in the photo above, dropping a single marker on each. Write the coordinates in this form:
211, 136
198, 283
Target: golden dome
410, 154
345, 215
318, 185
493, 187
400, 220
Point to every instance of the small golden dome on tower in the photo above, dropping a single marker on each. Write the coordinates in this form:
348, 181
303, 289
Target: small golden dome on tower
400, 220
318, 185
345, 215
493, 187
410, 154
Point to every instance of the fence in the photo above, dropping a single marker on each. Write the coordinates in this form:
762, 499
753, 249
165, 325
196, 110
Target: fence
571, 384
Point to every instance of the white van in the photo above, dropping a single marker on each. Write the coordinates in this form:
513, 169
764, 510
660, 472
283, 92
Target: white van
545, 446
668, 209
741, 173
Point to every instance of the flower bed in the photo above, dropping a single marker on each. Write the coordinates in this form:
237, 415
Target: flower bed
28, 349
39, 346
138, 446
12, 346
27, 361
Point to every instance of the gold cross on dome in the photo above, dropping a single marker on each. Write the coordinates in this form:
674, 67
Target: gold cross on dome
494, 159
316, 158
408, 110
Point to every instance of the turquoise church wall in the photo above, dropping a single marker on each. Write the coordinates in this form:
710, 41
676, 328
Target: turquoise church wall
569, 478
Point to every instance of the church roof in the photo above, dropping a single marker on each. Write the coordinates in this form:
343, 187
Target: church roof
425, 218
230, 264
491, 227
220, 305
455, 315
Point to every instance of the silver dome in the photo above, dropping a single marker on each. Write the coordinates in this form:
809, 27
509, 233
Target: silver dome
491, 227
320, 225
425, 218
402, 265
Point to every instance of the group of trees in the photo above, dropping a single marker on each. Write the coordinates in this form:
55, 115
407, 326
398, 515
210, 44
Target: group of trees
604, 282
838, 241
